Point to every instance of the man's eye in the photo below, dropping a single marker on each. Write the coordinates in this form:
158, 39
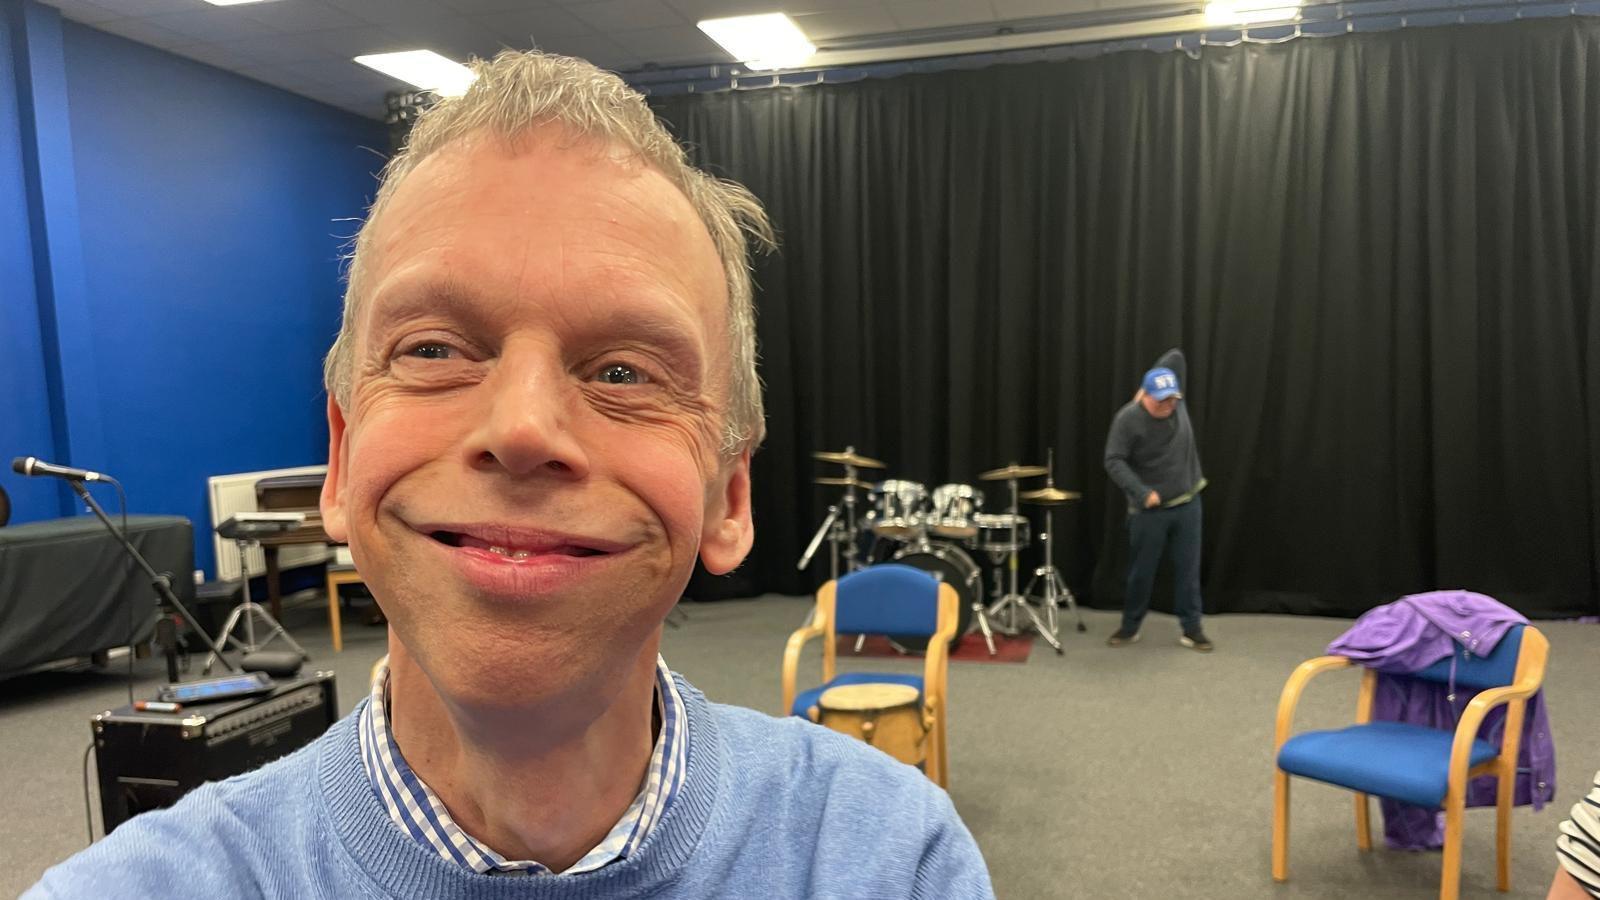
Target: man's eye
430, 350
617, 373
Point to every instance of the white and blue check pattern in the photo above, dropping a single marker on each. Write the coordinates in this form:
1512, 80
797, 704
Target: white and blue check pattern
417, 810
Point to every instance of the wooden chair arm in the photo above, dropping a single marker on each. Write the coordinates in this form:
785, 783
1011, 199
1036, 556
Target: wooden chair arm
1472, 719
791, 661
936, 659
1294, 687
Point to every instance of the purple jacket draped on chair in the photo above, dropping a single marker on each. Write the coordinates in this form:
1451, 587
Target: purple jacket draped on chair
1413, 633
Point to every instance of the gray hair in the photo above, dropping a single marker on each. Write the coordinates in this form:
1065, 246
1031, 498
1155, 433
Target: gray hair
521, 90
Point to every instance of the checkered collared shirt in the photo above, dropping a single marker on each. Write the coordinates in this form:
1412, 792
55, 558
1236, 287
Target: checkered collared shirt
418, 811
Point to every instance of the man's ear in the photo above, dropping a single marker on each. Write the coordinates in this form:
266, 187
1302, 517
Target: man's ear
728, 532
333, 520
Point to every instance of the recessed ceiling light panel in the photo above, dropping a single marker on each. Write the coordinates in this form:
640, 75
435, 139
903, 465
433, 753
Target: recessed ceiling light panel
1250, 12
770, 41
424, 69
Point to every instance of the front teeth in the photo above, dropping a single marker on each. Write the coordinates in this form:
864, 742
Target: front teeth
512, 554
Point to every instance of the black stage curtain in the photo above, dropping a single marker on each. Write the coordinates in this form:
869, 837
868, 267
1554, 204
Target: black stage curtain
1377, 250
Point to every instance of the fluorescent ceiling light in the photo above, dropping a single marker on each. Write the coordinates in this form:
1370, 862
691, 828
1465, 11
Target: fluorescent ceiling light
422, 68
232, 2
771, 41
1250, 12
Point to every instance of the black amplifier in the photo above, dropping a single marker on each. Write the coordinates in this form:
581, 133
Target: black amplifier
148, 760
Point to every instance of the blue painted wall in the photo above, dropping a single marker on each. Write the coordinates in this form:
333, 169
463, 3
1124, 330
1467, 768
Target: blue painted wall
211, 214
24, 406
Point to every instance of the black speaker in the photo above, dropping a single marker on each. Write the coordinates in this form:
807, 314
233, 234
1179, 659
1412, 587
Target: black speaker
149, 760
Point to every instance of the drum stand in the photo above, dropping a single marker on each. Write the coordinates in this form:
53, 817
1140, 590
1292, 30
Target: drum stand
249, 611
1013, 600
838, 528
1055, 589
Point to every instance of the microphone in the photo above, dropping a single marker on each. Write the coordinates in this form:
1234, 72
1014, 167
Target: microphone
34, 467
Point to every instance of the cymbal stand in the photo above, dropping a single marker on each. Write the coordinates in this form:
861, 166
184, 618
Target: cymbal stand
1055, 590
1013, 601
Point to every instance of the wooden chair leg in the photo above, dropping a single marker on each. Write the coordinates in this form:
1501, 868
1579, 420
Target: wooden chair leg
1363, 822
1454, 820
333, 614
1280, 825
1505, 792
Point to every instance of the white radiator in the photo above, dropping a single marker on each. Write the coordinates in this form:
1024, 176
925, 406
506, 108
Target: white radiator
237, 493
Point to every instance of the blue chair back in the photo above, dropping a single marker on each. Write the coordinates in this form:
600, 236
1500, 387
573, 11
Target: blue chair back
887, 599
1498, 669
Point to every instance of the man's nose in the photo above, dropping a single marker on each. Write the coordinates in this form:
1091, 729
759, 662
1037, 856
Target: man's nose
528, 414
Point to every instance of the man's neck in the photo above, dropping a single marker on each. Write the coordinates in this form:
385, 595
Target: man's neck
548, 785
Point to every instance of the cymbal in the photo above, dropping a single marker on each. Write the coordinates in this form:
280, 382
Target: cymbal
1013, 471
847, 459
1050, 496
844, 482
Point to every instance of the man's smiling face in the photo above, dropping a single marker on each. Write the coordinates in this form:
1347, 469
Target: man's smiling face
529, 461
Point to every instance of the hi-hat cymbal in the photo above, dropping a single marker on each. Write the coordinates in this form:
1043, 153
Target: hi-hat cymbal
1013, 471
1050, 496
844, 482
846, 458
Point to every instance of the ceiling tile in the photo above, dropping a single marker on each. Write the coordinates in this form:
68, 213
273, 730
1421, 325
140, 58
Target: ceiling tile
629, 15
845, 23
683, 44
275, 50
145, 33
917, 14
536, 25
215, 55
298, 17
135, 8
348, 75
217, 24
458, 38
695, 10
351, 42
85, 12
1035, 9
596, 48
478, 7
380, 12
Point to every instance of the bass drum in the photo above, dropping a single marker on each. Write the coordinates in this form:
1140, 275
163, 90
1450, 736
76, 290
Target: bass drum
952, 565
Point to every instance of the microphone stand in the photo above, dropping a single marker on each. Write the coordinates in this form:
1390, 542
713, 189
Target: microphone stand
166, 632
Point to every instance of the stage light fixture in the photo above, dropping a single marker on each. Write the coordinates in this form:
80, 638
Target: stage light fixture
1250, 12
770, 41
424, 69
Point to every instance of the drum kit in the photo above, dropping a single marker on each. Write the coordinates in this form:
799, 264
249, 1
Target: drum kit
940, 531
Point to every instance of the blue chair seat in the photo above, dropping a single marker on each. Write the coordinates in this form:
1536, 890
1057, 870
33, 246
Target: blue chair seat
1409, 763
807, 699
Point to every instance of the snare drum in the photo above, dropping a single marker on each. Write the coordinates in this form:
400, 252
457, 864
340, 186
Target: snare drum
897, 508
887, 716
954, 505
994, 532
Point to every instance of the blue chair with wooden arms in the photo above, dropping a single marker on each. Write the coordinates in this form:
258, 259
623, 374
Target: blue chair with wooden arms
888, 599
1411, 763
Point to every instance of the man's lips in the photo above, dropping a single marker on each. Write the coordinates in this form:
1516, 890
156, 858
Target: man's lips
519, 543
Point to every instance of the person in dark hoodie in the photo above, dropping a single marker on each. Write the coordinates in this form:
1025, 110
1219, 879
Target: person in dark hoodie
1152, 456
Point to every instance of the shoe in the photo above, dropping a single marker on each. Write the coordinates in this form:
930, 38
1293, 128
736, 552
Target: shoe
1122, 636
1197, 640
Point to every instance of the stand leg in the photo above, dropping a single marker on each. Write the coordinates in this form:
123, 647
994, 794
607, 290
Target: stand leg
274, 589
983, 623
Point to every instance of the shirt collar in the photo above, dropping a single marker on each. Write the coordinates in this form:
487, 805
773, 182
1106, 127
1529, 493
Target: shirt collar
417, 811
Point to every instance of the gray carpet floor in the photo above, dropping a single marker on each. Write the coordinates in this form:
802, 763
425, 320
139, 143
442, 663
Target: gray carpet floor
1142, 771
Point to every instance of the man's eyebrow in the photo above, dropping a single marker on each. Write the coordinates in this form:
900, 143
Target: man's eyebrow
414, 296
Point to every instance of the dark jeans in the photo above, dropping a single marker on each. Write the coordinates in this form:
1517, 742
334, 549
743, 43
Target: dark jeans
1149, 533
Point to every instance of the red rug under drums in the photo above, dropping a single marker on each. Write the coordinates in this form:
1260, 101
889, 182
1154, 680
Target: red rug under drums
970, 649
